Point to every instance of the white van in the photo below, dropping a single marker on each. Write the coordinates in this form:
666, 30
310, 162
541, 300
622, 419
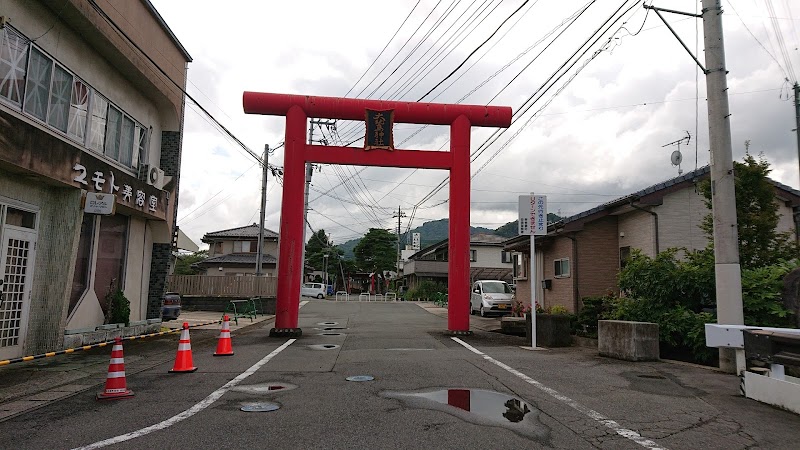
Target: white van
491, 296
313, 290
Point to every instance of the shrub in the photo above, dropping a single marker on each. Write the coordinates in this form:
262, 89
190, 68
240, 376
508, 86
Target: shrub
426, 290
594, 309
558, 309
120, 307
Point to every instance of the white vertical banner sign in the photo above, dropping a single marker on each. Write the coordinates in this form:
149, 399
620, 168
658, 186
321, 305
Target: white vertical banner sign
533, 222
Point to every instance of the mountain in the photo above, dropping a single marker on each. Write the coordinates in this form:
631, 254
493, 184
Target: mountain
430, 233
511, 229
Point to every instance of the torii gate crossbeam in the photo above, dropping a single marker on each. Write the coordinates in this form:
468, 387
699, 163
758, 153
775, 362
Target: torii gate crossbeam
298, 108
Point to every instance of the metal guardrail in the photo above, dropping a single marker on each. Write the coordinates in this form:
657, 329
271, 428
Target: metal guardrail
342, 296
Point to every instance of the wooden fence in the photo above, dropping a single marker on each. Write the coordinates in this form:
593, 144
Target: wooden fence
224, 286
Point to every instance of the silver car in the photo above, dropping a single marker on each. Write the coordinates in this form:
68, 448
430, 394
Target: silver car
491, 297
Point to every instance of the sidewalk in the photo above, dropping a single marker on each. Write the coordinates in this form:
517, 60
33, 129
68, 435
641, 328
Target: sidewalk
29, 385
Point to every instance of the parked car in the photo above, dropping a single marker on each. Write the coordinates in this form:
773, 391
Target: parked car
313, 290
171, 306
491, 297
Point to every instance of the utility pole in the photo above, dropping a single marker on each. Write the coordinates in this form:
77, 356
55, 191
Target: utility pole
727, 271
400, 214
723, 194
309, 173
262, 207
797, 119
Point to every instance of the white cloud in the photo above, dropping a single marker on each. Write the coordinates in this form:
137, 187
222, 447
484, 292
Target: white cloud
602, 136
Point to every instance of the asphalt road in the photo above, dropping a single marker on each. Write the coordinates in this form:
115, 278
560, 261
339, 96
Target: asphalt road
429, 391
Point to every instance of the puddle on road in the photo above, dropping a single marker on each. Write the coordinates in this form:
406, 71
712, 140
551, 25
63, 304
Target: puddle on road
264, 388
481, 407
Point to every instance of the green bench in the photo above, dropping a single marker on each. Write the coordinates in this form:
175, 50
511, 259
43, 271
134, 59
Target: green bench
241, 308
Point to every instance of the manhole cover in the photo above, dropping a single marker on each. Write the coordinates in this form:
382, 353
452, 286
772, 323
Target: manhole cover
360, 378
328, 324
323, 346
652, 377
260, 407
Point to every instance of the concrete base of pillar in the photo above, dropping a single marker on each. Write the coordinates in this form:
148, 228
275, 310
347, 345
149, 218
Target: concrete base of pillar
458, 333
286, 332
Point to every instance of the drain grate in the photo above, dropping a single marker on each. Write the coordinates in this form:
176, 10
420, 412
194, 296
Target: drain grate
331, 334
328, 324
323, 346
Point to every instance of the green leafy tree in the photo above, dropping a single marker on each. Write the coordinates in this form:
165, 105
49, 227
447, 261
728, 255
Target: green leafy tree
377, 252
760, 244
183, 266
317, 247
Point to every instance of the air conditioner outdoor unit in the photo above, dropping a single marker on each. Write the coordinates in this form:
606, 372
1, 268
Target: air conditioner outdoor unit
152, 175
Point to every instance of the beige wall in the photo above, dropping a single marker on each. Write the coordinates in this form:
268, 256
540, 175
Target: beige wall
639, 232
489, 257
679, 219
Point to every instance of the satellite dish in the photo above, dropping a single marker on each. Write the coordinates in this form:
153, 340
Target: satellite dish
676, 158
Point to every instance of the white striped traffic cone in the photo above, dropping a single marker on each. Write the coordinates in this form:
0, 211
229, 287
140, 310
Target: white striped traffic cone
183, 360
224, 346
115, 380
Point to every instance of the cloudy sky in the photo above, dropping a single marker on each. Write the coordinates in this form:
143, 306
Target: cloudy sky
596, 130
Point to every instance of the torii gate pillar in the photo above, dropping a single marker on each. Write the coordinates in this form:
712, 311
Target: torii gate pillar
298, 108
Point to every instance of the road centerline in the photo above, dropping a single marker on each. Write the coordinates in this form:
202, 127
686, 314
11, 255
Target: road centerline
594, 415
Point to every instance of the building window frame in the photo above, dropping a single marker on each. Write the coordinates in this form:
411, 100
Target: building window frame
473, 255
561, 268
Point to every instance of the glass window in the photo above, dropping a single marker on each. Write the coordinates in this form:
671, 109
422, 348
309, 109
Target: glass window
113, 133
520, 268
561, 268
246, 247
99, 113
505, 257
19, 218
60, 98
140, 152
496, 288
473, 255
78, 110
111, 252
126, 141
37, 88
80, 281
13, 61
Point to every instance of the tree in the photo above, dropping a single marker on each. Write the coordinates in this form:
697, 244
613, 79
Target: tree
183, 266
317, 247
377, 252
760, 244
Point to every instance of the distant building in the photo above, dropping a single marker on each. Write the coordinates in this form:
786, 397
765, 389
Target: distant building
488, 261
90, 155
581, 255
234, 251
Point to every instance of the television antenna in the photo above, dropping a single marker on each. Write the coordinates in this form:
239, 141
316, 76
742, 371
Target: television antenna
676, 157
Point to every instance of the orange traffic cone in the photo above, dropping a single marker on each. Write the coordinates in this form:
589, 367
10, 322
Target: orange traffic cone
115, 380
183, 360
224, 347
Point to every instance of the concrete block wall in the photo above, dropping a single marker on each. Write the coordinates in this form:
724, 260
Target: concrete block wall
629, 341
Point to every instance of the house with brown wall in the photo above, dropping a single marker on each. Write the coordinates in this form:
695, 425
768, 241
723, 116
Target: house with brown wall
581, 255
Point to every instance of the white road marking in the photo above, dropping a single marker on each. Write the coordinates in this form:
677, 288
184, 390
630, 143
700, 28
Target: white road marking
624, 432
205, 403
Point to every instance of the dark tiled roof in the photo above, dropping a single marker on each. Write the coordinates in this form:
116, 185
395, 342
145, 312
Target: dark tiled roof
237, 258
702, 172
249, 231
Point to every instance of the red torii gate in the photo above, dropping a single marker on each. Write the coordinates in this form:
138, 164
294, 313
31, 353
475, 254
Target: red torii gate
298, 108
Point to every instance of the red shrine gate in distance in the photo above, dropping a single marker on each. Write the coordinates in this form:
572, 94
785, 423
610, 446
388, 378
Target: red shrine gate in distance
298, 108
